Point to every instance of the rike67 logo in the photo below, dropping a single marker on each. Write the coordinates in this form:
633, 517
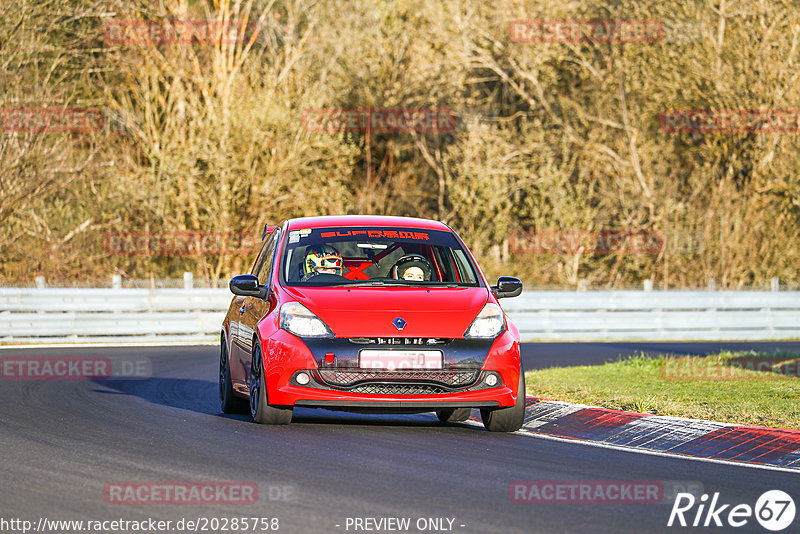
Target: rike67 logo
774, 510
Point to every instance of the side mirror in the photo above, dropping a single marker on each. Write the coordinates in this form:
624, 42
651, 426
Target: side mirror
247, 286
507, 286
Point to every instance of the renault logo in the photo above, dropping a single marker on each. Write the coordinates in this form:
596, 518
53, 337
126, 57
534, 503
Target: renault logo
399, 323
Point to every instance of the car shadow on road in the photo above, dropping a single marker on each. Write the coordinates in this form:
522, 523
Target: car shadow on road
202, 396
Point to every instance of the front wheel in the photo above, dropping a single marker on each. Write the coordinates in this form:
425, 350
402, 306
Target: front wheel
261, 411
507, 419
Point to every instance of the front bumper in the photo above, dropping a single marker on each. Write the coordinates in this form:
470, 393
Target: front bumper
336, 381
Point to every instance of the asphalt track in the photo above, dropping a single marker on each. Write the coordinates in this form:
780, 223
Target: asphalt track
61, 442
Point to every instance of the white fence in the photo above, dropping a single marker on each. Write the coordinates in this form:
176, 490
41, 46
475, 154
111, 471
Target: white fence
151, 315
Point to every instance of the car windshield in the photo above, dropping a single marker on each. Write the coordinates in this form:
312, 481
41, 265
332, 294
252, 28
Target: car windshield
369, 256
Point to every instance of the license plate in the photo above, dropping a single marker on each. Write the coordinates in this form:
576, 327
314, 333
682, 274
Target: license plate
400, 359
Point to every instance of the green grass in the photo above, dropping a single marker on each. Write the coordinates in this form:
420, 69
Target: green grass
701, 388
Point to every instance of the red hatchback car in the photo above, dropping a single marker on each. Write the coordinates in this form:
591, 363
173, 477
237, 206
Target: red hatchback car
374, 315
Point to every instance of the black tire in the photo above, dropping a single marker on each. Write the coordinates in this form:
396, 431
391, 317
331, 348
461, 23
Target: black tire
453, 415
228, 402
260, 409
508, 419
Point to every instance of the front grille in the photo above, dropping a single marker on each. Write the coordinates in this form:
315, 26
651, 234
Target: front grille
446, 377
429, 341
399, 389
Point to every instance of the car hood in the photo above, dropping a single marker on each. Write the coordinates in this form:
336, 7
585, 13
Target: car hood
371, 311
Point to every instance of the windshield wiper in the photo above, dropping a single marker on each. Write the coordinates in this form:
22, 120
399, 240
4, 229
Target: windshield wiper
364, 283
396, 283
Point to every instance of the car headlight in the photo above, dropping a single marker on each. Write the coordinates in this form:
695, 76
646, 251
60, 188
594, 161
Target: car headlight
300, 321
489, 323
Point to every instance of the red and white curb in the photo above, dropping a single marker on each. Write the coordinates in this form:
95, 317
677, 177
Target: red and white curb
671, 435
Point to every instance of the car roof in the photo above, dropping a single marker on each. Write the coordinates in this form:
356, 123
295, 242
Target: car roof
365, 220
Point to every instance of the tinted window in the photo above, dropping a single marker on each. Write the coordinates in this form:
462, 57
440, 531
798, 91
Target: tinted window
265, 266
375, 256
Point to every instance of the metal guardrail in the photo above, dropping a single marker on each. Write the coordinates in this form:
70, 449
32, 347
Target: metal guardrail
656, 315
54, 315
152, 315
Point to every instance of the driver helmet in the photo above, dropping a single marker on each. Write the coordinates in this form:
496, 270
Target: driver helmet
322, 259
412, 267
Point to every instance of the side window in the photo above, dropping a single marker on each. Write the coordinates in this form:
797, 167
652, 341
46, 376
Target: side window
264, 269
259, 256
